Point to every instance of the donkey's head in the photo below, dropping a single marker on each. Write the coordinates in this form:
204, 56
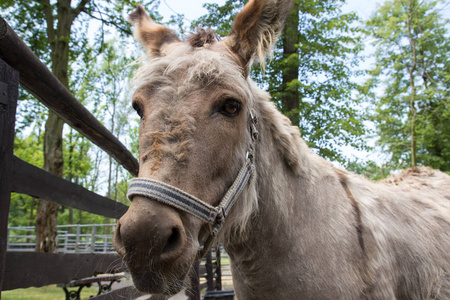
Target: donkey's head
197, 134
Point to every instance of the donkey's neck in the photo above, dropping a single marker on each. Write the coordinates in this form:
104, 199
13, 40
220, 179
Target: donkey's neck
300, 218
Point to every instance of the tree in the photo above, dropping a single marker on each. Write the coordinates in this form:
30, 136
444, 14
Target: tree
310, 75
50, 25
412, 67
58, 28
114, 71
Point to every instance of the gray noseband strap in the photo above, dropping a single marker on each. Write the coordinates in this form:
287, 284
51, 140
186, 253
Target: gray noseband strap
213, 215
177, 198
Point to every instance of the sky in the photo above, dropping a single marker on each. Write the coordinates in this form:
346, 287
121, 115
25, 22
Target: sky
193, 9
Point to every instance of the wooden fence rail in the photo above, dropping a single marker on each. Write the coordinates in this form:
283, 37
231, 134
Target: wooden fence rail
31, 180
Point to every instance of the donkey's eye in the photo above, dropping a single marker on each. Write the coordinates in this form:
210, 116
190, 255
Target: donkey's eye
138, 109
230, 108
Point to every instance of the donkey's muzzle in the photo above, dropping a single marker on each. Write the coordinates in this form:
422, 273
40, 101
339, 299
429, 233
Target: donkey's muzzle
150, 237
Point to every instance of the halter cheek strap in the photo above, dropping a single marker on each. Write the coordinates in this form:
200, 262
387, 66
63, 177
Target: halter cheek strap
213, 215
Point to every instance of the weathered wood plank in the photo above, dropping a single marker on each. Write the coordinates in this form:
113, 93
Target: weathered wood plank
31, 180
9, 92
128, 292
37, 79
209, 271
27, 269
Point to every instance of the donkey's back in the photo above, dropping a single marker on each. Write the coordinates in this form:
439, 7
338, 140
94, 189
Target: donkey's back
407, 230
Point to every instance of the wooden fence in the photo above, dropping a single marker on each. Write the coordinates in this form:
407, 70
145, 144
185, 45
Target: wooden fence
26, 269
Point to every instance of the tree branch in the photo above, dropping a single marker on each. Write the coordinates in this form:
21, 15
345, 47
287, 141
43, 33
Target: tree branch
122, 29
49, 19
81, 6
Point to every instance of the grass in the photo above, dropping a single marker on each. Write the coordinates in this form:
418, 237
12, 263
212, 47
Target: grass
50, 292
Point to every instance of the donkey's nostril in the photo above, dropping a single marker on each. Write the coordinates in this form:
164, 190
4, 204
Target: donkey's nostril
174, 245
172, 241
117, 241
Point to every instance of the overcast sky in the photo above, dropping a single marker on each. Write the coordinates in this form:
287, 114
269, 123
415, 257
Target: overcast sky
193, 9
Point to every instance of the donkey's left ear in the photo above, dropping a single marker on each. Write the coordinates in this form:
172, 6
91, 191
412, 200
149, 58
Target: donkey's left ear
152, 36
256, 29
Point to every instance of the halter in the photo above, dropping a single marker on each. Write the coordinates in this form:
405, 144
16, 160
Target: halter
213, 215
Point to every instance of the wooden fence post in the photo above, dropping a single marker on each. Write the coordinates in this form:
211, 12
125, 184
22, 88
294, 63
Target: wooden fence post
9, 93
209, 272
218, 275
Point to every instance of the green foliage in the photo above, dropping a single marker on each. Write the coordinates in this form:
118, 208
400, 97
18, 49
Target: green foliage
22, 209
30, 149
413, 71
220, 18
328, 45
28, 20
77, 162
369, 169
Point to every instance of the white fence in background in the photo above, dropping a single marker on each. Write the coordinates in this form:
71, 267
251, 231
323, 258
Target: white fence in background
91, 238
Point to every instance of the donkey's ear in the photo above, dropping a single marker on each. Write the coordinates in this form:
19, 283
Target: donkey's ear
151, 35
256, 29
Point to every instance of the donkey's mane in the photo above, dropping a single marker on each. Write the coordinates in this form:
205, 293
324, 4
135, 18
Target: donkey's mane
202, 37
412, 175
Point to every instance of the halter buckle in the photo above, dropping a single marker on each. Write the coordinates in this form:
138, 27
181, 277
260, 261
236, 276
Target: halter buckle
253, 121
218, 222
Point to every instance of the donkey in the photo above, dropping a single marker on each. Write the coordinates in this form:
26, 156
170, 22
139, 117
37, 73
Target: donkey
218, 162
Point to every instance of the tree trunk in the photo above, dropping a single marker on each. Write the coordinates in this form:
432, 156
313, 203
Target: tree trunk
47, 212
412, 105
290, 38
70, 175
